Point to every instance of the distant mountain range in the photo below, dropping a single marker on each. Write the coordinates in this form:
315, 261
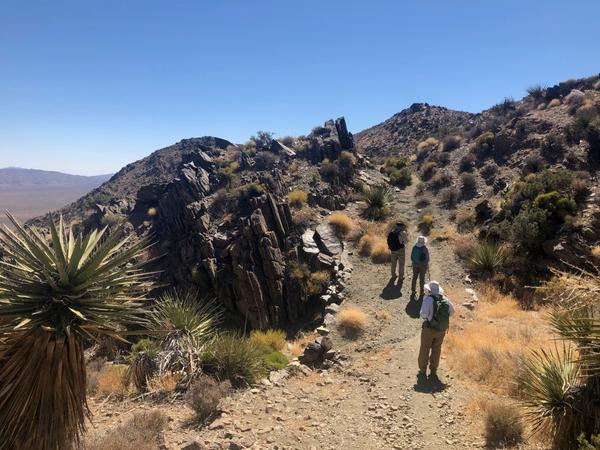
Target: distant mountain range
27, 193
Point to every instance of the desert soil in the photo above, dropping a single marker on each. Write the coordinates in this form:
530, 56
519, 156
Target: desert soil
372, 401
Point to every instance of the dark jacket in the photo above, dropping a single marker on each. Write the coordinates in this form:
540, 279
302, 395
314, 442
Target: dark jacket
420, 256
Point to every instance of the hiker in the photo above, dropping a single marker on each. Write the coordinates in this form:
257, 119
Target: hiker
420, 264
397, 240
435, 312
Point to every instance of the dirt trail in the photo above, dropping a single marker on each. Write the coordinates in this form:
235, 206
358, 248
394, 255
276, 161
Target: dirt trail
372, 401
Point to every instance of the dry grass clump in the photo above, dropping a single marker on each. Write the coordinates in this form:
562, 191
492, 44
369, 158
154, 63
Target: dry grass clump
489, 349
341, 223
142, 432
296, 347
554, 102
466, 219
503, 425
112, 380
298, 198
318, 282
204, 396
596, 251
428, 144
375, 247
164, 384
93, 369
352, 321
271, 338
383, 315
464, 246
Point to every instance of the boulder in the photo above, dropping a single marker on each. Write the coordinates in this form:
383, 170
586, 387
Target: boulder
281, 149
327, 240
309, 246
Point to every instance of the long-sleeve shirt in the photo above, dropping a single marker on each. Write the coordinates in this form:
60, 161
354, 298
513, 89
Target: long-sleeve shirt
427, 308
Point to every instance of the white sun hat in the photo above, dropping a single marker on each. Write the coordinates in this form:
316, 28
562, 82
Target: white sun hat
421, 241
435, 288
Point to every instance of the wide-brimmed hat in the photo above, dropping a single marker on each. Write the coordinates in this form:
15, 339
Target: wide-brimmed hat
421, 241
434, 288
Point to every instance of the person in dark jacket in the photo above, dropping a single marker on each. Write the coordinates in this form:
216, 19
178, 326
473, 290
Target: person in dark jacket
397, 240
420, 263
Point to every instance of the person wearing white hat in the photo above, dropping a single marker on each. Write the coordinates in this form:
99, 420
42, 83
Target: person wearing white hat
420, 263
435, 312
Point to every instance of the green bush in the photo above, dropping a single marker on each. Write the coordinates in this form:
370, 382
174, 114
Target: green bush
271, 338
486, 258
275, 360
250, 190
536, 91
525, 191
235, 358
402, 177
378, 199
484, 143
451, 142
530, 228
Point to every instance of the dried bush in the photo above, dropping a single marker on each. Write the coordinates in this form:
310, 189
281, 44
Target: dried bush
112, 380
554, 102
440, 180
536, 91
271, 338
318, 282
352, 321
533, 164
468, 181
466, 162
503, 425
443, 158
489, 170
264, 160
341, 223
428, 170
451, 142
93, 369
142, 432
297, 198
466, 219
449, 197
204, 396
402, 177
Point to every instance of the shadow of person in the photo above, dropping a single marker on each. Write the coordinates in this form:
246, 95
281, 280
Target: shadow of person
413, 307
391, 290
429, 385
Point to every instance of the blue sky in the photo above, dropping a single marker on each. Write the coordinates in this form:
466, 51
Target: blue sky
87, 87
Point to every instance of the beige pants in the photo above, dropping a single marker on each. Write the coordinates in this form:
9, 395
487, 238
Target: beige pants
431, 349
397, 259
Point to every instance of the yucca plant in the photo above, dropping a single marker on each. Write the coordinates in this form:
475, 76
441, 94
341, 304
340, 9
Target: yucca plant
378, 198
563, 393
188, 322
486, 258
143, 363
53, 295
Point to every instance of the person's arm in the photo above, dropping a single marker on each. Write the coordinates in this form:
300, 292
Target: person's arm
427, 254
427, 308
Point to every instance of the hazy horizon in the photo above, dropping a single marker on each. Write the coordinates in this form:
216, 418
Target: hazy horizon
89, 88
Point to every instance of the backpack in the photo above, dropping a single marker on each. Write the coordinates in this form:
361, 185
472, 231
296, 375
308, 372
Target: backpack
393, 241
418, 255
441, 313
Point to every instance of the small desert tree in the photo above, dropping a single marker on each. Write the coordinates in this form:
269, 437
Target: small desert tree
53, 295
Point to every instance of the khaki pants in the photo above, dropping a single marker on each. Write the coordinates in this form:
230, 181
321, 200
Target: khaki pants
420, 272
398, 257
431, 349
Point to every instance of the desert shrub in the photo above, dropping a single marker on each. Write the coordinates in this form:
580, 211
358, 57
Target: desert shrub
378, 199
595, 252
464, 247
466, 162
586, 126
425, 147
143, 363
298, 271
329, 170
265, 160
288, 141
352, 321
262, 140
503, 426
375, 247
422, 200
552, 146
297, 198
346, 163
142, 432
555, 204
302, 218
484, 143
468, 181
204, 396
341, 223
318, 282
93, 369
235, 358
529, 229
451, 142
428, 170
443, 158
536, 91
554, 102
227, 171
533, 164
440, 180
506, 106
592, 444
465, 219
274, 360
489, 171
274, 339
112, 380
427, 219
486, 258
393, 163
250, 190
402, 177
449, 197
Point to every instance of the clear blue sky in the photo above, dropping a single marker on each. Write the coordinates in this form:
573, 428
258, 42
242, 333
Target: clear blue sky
88, 86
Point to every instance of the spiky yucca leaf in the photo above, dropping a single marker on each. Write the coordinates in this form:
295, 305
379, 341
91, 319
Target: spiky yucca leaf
548, 382
487, 258
52, 295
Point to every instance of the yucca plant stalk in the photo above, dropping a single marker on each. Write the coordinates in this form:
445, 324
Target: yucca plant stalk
53, 295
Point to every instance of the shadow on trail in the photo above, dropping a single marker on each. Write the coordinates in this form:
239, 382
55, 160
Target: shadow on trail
429, 385
413, 307
391, 290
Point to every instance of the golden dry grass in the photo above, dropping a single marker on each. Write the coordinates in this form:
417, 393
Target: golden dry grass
341, 223
296, 347
112, 380
596, 251
352, 321
164, 383
298, 198
488, 349
427, 219
464, 245
428, 143
383, 315
554, 102
375, 247
271, 338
